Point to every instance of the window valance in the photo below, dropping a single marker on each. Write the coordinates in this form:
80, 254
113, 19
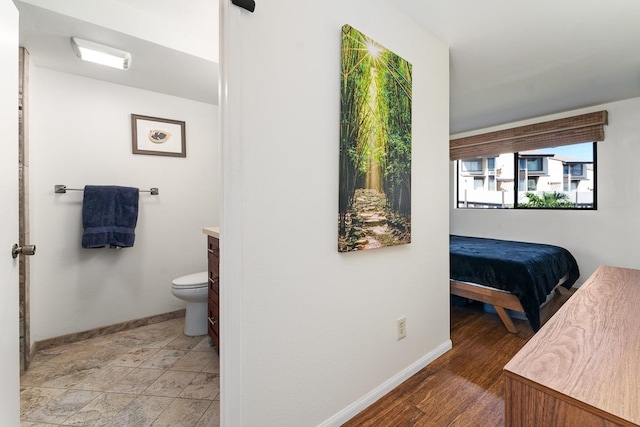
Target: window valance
570, 130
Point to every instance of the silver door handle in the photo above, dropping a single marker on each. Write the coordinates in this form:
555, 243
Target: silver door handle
23, 250
212, 321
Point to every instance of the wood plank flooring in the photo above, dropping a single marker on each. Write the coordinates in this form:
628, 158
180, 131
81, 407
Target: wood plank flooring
464, 387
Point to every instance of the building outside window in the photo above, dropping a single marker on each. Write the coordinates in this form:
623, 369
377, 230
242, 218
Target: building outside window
560, 177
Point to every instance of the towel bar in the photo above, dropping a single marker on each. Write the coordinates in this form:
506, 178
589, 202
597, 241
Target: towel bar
61, 189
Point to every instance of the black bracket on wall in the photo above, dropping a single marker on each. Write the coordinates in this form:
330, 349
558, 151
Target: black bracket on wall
249, 5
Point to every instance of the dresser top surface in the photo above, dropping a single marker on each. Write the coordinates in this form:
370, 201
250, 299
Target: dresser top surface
590, 349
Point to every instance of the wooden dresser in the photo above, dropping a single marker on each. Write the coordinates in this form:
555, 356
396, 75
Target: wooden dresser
583, 367
213, 255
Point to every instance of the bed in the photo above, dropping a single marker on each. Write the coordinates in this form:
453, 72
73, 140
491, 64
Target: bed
509, 275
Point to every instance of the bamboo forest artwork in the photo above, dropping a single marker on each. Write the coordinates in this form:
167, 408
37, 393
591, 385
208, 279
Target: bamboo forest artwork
375, 145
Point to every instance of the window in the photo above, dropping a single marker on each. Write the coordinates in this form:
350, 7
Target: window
491, 183
472, 165
550, 178
535, 164
491, 163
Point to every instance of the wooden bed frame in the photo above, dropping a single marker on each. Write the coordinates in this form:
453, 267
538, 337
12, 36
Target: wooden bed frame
499, 299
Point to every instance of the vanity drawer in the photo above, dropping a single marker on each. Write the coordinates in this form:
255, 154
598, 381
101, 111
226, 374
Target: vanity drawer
213, 246
214, 286
214, 322
214, 267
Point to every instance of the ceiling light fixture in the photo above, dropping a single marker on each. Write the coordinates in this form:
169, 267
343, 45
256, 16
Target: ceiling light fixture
101, 54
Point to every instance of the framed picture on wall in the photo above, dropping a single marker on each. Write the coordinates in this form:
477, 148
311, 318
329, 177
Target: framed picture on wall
158, 137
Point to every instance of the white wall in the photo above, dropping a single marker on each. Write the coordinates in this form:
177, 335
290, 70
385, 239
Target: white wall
80, 135
318, 328
610, 235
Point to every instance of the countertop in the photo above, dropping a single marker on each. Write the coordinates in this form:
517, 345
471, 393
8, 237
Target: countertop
212, 231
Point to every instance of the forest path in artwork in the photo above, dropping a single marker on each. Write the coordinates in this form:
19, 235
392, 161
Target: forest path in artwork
372, 224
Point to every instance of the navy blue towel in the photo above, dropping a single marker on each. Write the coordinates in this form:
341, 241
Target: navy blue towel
109, 216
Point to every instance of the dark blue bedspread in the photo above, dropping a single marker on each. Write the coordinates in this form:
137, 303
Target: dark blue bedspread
530, 271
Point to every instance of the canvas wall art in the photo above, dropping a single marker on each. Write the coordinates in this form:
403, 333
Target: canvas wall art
375, 145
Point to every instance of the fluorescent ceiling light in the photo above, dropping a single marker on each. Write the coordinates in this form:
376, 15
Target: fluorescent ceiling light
101, 54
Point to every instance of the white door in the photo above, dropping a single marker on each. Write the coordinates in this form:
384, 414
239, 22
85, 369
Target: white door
9, 339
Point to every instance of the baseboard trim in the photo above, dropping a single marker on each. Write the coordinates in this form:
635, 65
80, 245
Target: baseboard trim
105, 330
374, 395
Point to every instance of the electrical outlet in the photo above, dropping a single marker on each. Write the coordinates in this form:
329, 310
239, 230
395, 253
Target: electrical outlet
402, 328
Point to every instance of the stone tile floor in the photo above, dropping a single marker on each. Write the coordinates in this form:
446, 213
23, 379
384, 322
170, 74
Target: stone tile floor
149, 376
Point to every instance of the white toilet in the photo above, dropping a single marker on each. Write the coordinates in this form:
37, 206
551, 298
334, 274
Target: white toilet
194, 289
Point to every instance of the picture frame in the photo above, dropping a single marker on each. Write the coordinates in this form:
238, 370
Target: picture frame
158, 137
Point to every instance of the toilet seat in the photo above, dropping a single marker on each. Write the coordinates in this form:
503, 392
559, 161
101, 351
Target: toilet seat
191, 281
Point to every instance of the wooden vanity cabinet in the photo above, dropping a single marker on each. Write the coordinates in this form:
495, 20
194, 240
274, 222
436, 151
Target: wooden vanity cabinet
213, 254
